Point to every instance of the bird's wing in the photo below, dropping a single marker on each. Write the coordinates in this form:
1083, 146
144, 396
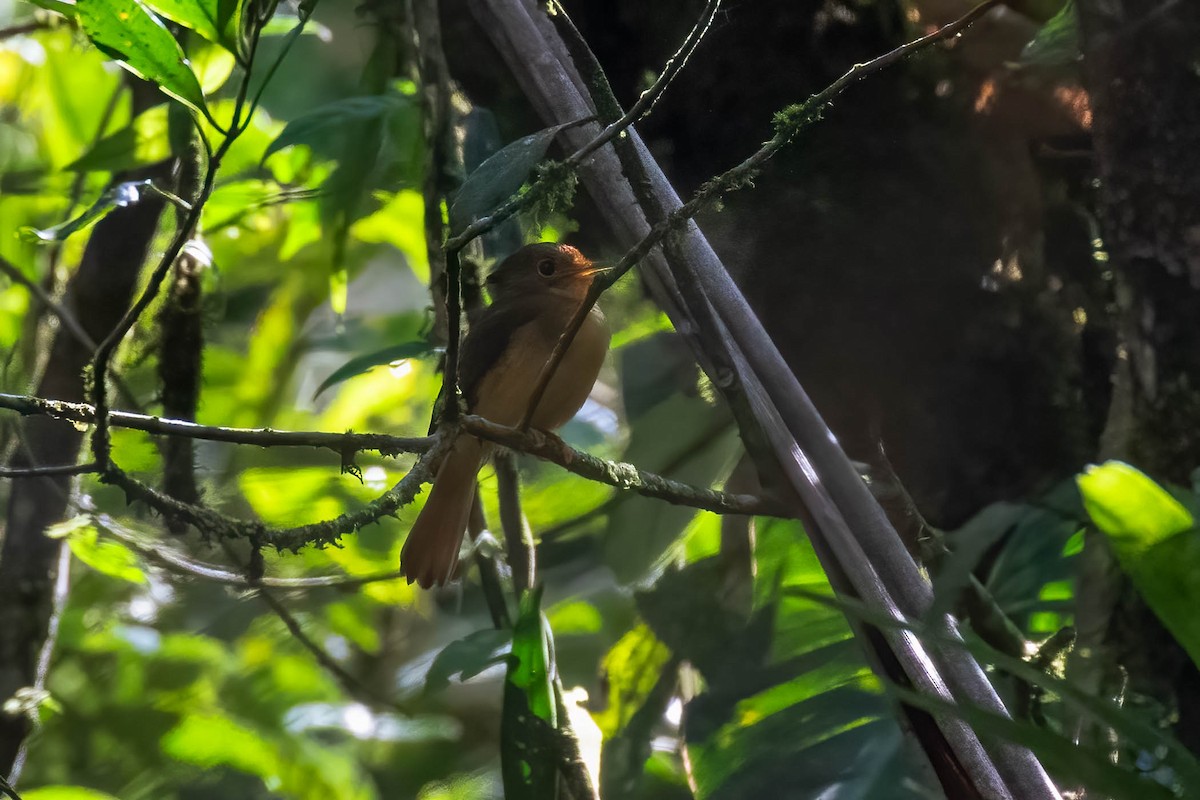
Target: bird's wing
490, 336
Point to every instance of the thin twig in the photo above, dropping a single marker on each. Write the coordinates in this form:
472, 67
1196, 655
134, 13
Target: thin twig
41, 472
646, 101
64, 316
571, 766
351, 684
23, 28
490, 580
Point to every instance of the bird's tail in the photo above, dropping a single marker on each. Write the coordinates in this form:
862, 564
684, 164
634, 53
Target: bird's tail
431, 551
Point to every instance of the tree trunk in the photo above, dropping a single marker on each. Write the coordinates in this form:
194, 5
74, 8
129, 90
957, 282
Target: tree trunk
97, 295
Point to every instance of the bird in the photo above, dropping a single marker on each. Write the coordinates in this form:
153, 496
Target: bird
535, 293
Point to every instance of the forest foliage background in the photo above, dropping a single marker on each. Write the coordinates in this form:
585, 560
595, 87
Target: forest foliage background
935, 258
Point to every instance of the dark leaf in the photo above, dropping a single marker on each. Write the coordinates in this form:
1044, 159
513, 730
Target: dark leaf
1057, 43
500, 176
307, 127
685, 438
467, 657
361, 364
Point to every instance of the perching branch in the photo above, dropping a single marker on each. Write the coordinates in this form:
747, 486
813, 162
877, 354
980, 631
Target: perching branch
545, 446
549, 447
345, 444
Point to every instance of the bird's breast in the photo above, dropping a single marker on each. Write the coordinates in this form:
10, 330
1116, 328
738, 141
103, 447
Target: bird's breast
505, 391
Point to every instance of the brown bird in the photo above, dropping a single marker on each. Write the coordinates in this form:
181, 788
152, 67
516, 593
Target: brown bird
535, 293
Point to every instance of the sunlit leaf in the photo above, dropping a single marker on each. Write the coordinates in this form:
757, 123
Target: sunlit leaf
65, 793
631, 668
281, 24
1129, 507
574, 617
104, 555
212, 19
213, 65
210, 741
400, 222
500, 176
1155, 540
126, 31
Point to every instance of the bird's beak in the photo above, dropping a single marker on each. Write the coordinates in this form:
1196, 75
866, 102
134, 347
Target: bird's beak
590, 270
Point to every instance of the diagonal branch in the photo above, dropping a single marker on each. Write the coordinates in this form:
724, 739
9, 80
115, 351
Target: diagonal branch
788, 123
549, 447
644, 105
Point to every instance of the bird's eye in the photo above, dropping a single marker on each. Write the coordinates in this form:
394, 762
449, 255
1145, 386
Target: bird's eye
545, 268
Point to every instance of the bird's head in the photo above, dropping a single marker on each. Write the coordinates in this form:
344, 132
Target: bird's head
543, 268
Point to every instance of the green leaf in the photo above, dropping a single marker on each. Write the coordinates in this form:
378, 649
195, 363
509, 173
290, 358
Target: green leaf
1155, 541
307, 128
467, 657
68, 10
215, 20
364, 363
144, 141
529, 664
65, 793
210, 741
529, 715
1129, 507
575, 617
400, 222
1057, 43
631, 668
105, 556
282, 24
126, 31
500, 176
684, 438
